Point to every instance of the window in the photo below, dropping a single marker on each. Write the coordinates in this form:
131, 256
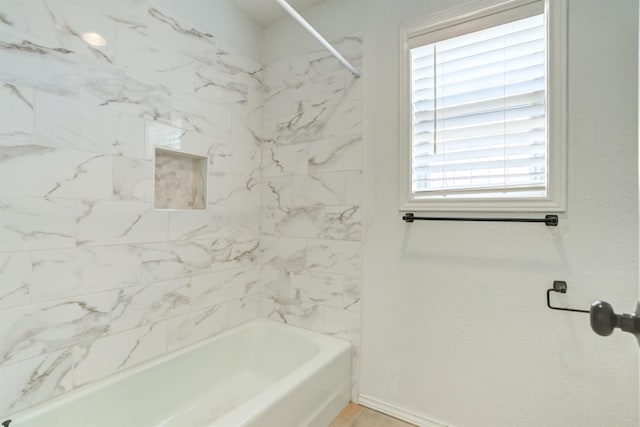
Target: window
485, 111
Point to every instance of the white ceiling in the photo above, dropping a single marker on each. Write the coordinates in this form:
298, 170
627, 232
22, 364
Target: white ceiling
266, 12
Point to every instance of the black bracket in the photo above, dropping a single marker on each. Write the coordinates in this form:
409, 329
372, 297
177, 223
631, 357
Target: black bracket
6, 423
561, 287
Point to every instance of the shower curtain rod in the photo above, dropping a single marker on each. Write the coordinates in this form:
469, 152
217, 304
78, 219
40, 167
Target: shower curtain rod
295, 15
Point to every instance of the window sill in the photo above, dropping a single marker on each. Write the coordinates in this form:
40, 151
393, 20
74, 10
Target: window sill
483, 205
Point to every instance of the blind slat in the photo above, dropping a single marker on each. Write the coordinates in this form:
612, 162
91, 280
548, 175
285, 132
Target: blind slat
479, 111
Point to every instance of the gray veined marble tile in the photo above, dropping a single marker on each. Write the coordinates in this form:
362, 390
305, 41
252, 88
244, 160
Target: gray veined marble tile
237, 97
106, 356
334, 256
231, 251
336, 154
15, 279
354, 87
319, 288
274, 283
160, 135
268, 220
327, 289
285, 253
33, 330
239, 68
278, 103
343, 223
192, 113
148, 304
343, 119
324, 189
175, 260
132, 13
328, 89
276, 191
234, 157
223, 286
284, 160
63, 24
289, 72
69, 272
230, 189
17, 104
209, 86
130, 136
243, 309
352, 294
28, 223
24, 59
343, 324
196, 225
168, 27
195, 326
119, 222
63, 123
165, 136
313, 122
296, 312
61, 173
247, 127
243, 204
113, 89
299, 221
306, 123
323, 63
34, 380
146, 58
132, 179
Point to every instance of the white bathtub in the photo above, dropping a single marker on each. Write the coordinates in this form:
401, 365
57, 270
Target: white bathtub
260, 374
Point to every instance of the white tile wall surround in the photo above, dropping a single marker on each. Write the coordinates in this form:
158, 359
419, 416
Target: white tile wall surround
37, 329
16, 121
30, 223
36, 379
192, 327
311, 193
63, 273
115, 352
93, 280
88, 268
15, 279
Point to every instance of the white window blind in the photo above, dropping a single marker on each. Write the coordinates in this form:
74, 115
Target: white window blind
479, 112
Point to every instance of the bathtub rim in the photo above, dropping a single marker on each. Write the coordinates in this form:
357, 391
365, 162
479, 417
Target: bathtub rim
324, 342
262, 401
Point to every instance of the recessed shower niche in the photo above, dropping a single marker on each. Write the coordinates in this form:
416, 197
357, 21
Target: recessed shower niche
180, 180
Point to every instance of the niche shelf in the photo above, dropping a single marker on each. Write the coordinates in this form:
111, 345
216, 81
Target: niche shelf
180, 180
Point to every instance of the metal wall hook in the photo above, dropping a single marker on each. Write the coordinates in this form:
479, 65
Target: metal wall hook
561, 287
601, 315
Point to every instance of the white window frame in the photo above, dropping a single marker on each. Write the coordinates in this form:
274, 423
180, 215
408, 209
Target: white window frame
556, 45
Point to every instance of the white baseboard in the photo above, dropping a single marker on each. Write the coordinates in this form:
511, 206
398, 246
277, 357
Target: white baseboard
399, 413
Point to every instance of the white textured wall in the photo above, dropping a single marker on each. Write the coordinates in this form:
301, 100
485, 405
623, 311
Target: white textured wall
455, 326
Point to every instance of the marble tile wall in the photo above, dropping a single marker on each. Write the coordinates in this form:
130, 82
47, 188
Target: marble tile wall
311, 193
92, 279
